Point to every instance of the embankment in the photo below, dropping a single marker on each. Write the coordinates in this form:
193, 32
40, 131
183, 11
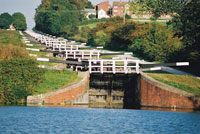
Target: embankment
68, 94
156, 94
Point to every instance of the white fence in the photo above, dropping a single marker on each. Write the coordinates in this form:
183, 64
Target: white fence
114, 66
83, 54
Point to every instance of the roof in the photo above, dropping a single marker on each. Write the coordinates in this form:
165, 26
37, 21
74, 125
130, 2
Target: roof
102, 3
118, 3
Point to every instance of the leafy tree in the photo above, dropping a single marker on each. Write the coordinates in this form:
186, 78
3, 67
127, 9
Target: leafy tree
5, 20
189, 25
19, 21
59, 17
89, 5
158, 44
122, 37
156, 7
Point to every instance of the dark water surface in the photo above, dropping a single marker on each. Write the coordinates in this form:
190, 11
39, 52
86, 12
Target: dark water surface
62, 120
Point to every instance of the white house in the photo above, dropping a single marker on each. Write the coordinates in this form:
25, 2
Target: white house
102, 14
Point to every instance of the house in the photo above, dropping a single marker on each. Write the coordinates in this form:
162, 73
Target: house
90, 12
121, 8
103, 10
12, 27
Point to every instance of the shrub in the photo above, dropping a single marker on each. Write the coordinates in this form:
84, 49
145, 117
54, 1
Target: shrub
18, 78
158, 44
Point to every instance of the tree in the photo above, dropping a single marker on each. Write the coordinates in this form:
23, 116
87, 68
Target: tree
59, 17
19, 21
89, 5
188, 23
158, 44
5, 20
156, 7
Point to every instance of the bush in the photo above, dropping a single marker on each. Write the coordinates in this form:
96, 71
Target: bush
158, 44
18, 78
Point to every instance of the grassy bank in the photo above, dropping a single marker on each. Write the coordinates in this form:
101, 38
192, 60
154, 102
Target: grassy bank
186, 83
10, 37
54, 79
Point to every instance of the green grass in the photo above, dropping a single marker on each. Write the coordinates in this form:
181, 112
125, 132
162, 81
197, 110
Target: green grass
187, 83
147, 19
54, 79
11, 37
92, 25
108, 56
39, 54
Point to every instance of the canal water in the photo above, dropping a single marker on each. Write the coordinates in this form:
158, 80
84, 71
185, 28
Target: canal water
63, 120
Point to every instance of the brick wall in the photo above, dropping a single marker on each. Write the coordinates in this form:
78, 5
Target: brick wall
104, 5
66, 94
156, 94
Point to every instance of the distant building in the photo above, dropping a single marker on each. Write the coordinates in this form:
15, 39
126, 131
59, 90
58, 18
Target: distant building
103, 10
12, 27
121, 8
90, 12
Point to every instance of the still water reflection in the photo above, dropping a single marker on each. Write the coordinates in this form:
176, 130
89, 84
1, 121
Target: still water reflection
63, 120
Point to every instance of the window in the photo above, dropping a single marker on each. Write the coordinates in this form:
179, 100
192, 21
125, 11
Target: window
115, 6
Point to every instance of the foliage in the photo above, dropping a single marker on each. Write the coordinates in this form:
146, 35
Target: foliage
190, 27
18, 72
158, 44
151, 41
19, 77
86, 22
89, 5
122, 37
5, 20
156, 7
186, 22
59, 17
19, 21
54, 79
82, 35
92, 16
127, 16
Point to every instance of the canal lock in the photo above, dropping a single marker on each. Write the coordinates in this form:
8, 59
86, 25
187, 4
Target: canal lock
114, 91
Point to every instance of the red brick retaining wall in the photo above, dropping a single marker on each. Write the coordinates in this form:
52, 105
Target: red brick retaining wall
157, 94
66, 94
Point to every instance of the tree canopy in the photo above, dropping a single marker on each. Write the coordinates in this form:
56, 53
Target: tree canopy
59, 17
19, 21
156, 7
5, 20
89, 5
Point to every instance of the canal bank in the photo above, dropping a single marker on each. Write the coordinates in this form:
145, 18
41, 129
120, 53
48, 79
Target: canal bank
129, 91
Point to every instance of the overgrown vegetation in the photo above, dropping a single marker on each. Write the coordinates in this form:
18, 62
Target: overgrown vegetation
185, 23
151, 41
186, 83
19, 73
